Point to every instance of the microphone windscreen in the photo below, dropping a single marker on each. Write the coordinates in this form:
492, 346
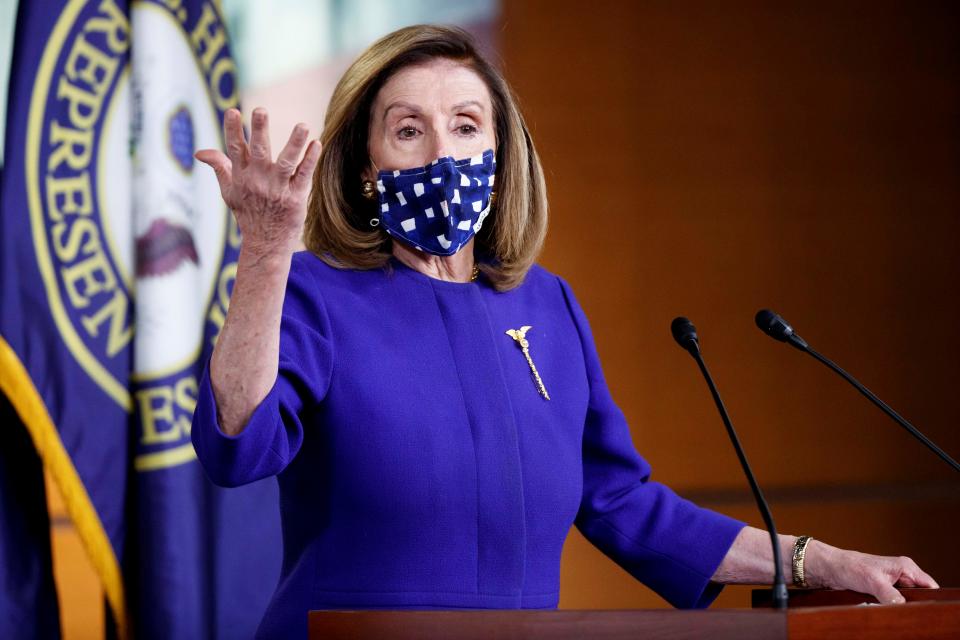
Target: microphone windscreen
684, 332
765, 319
773, 325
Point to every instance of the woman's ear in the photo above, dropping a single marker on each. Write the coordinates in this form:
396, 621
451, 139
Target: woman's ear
370, 172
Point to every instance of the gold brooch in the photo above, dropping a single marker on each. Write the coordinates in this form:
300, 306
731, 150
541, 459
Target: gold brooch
519, 335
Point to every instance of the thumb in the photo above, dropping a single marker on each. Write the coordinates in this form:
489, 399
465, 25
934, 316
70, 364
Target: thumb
220, 164
886, 594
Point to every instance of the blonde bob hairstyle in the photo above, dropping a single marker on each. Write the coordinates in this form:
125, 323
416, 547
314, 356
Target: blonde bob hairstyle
337, 227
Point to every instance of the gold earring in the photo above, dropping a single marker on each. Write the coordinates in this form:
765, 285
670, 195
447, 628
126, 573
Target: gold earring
368, 190
493, 198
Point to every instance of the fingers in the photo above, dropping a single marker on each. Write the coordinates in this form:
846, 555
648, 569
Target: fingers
912, 575
239, 155
925, 581
902, 572
220, 164
879, 575
301, 179
259, 137
290, 154
235, 139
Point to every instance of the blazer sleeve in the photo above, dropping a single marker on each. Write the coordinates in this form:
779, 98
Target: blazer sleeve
274, 433
668, 543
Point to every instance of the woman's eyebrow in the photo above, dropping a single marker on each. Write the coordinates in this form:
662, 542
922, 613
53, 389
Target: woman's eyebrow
400, 104
467, 103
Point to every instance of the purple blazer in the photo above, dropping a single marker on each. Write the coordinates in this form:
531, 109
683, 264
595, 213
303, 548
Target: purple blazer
419, 465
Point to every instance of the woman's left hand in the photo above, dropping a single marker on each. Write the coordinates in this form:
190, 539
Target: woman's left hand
832, 568
750, 561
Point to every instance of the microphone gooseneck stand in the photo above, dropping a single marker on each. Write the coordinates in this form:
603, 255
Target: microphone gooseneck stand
686, 336
777, 328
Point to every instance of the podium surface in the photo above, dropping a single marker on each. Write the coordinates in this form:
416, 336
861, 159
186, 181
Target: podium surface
935, 619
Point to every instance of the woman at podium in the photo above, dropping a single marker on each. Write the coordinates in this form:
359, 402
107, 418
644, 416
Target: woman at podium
430, 400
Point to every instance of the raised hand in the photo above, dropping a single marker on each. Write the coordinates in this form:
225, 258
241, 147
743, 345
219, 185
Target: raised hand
269, 201
268, 198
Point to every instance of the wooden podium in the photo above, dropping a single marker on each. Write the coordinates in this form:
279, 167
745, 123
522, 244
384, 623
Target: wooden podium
928, 613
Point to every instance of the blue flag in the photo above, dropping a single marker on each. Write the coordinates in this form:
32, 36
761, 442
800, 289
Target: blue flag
116, 268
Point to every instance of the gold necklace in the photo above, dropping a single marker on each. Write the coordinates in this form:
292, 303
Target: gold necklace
475, 274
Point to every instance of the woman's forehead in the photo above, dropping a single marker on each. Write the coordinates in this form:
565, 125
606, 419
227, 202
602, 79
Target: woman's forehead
437, 84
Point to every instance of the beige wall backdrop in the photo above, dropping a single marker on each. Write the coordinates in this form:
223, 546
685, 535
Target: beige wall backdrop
711, 159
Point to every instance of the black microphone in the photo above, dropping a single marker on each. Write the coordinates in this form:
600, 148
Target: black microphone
776, 327
686, 336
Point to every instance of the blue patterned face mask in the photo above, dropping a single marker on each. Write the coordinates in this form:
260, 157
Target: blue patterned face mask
439, 207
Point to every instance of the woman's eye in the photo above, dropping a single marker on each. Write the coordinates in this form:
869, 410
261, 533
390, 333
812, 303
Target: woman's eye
407, 133
467, 129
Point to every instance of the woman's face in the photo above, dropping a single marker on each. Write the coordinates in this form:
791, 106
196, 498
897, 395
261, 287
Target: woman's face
424, 112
